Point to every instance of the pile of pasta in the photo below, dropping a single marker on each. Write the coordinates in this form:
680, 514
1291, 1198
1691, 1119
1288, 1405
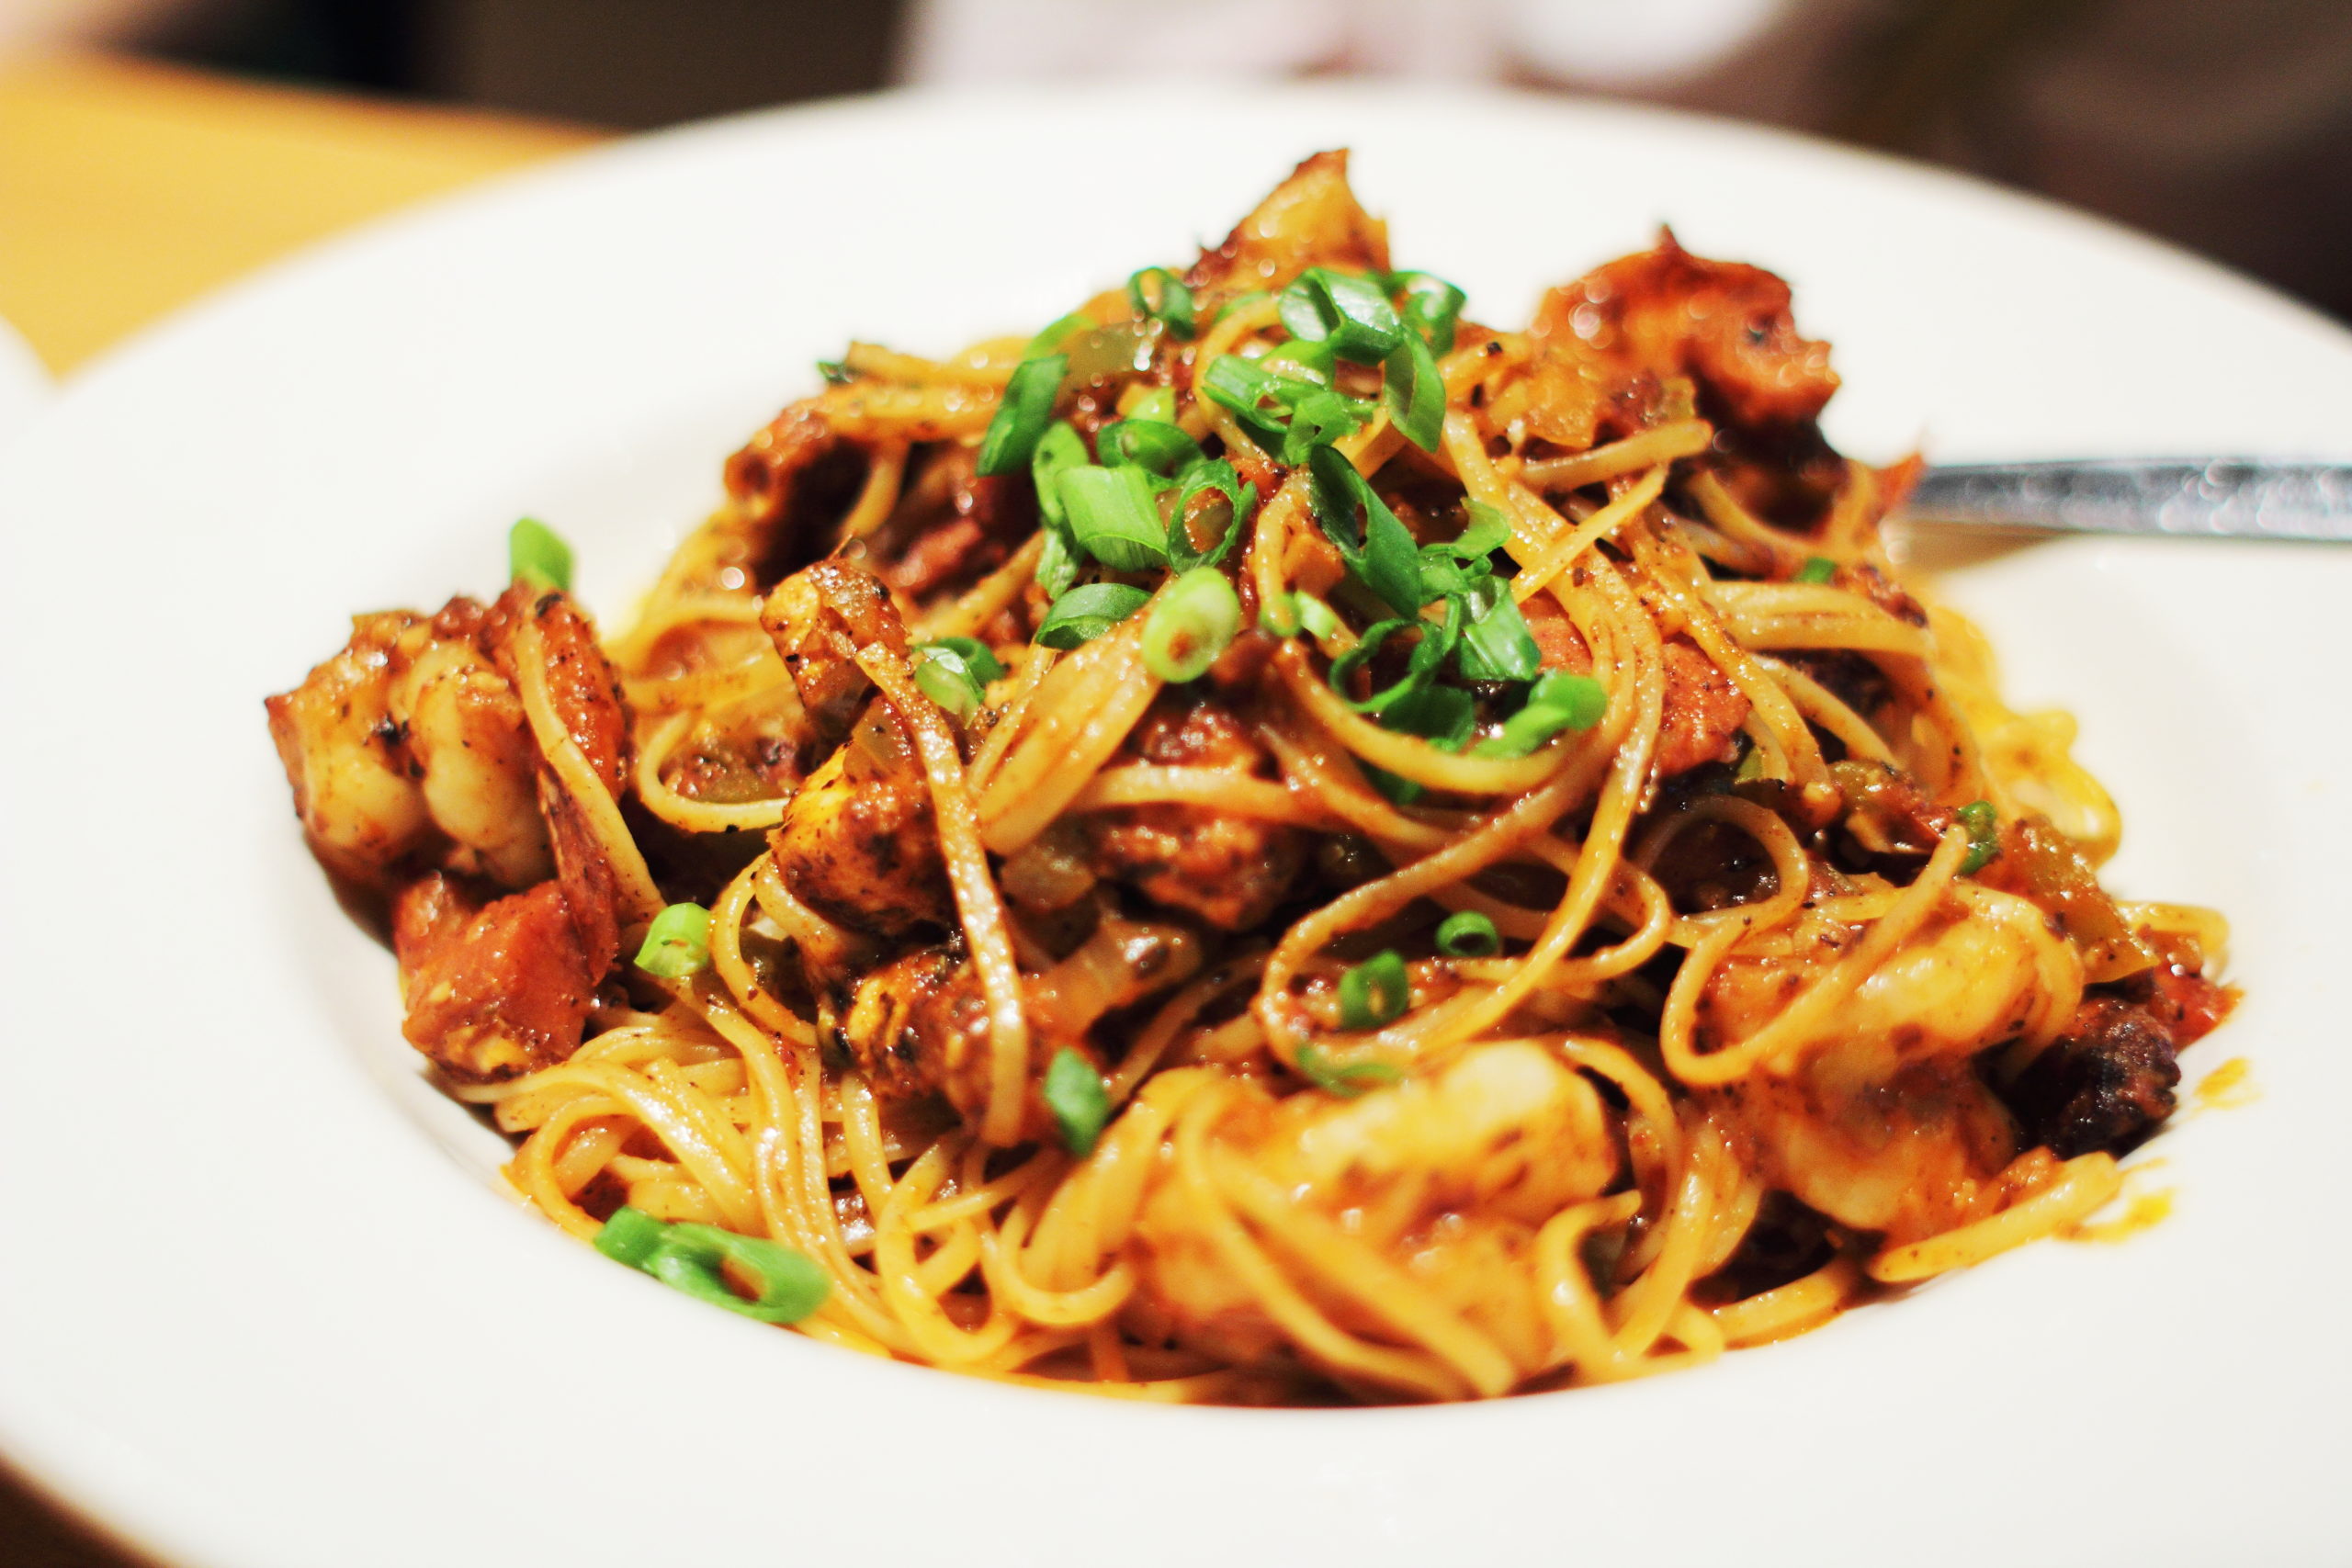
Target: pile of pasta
1270, 843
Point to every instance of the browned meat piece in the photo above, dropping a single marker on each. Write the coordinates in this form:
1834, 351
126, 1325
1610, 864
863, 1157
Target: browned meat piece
793, 483
1704, 711
1312, 219
584, 689
818, 618
920, 1026
859, 843
496, 990
1725, 325
2104, 1084
354, 789
1231, 870
952, 527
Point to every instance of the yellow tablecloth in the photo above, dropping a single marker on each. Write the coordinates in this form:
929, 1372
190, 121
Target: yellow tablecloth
128, 190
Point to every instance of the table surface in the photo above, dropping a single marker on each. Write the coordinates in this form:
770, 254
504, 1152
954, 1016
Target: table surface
128, 190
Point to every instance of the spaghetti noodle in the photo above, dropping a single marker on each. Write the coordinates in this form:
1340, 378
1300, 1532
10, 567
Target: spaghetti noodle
1271, 843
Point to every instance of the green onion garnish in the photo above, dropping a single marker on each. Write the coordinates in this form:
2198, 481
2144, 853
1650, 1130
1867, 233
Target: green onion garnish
1060, 447
1984, 825
835, 373
1147, 444
949, 679
1160, 404
984, 664
1213, 478
1495, 643
1374, 991
1304, 361
1245, 386
1437, 639
1074, 1093
1196, 617
1468, 934
1084, 613
1432, 306
1349, 312
1319, 619
1414, 392
536, 556
1317, 419
1174, 305
1381, 554
1114, 516
1816, 569
691, 1258
1057, 333
1557, 701
1021, 418
677, 943
1348, 1080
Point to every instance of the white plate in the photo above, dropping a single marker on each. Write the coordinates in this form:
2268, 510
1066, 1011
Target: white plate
262, 1309
24, 381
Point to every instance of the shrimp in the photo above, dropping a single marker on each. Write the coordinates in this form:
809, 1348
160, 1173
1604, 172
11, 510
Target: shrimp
1470, 1159
418, 775
1883, 1124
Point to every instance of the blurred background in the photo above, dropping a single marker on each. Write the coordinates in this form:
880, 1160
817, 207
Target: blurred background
152, 149
235, 129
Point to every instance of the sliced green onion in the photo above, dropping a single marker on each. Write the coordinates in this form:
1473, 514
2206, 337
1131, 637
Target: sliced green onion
1160, 404
1468, 934
1489, 531
1318, 418
1306, 361
536, 555
1374, 991
1060, 447
1021, 418
1438, 639
1084, 613
1295, 613
1495, 643
1194, 619
946, 678
1432, 306
1114, 516
1816, 569
976, 656
1557, 701
1147, 444
1984, 825
835, 373
1345, 1080
1056, 334
1414, 392
1211, 477
1352, 313
1445, 717
1174, 305
630, 1237
691, 1258
677, 943
1382, 554
1074, 1093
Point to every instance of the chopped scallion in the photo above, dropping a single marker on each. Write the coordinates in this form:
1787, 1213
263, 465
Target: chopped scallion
1114, 516
1345, 1080
1374, 992
1148, 443
677, 943
691, 1258
536, 555
948, 679
1214, 478
1194, 619
1816, 569
1084, 613
1431, 306
1468, 934
1414, 392
1984, 825
1173, 304
1381, 552
1557, 701
1351, 313
1074, 1093
1021, 418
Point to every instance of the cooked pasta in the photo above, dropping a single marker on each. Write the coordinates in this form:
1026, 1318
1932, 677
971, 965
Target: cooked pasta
1270, 843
